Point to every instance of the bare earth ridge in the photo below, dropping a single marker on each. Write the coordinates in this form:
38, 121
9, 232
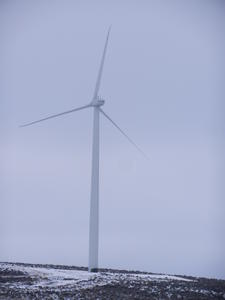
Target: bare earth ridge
33, 281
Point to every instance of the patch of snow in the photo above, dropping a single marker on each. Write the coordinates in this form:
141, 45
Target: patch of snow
49, 277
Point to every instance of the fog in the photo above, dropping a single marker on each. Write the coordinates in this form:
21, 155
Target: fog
163, 85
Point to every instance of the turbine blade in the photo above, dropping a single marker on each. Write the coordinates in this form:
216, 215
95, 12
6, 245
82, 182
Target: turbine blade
129, 139
97, 86
57, 115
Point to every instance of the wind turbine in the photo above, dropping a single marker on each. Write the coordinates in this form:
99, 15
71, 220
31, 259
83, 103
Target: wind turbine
96, 104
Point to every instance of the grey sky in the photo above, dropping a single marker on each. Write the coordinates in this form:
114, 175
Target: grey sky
163, 84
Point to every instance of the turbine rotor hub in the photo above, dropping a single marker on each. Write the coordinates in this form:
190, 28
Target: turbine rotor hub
98, 101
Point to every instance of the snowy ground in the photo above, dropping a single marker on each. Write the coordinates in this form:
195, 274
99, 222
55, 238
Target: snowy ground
23, 281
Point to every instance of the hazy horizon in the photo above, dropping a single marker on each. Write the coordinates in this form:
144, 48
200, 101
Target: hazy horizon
163, 85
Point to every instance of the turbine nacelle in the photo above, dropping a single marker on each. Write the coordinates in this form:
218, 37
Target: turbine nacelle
98, 102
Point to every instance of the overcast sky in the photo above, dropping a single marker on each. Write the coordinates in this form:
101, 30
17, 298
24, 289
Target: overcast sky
163, 83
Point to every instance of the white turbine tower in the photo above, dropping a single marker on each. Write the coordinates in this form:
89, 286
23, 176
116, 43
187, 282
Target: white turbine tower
96, 104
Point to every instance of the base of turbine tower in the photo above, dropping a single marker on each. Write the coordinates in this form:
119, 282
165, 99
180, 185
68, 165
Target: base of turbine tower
93, 270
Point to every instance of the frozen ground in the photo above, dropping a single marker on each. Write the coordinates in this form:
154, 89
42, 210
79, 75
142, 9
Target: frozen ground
26, 281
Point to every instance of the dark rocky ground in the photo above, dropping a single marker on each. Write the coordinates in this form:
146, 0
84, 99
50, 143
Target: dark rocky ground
109, 284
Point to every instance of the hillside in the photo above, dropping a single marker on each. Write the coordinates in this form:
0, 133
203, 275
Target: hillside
27, 281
